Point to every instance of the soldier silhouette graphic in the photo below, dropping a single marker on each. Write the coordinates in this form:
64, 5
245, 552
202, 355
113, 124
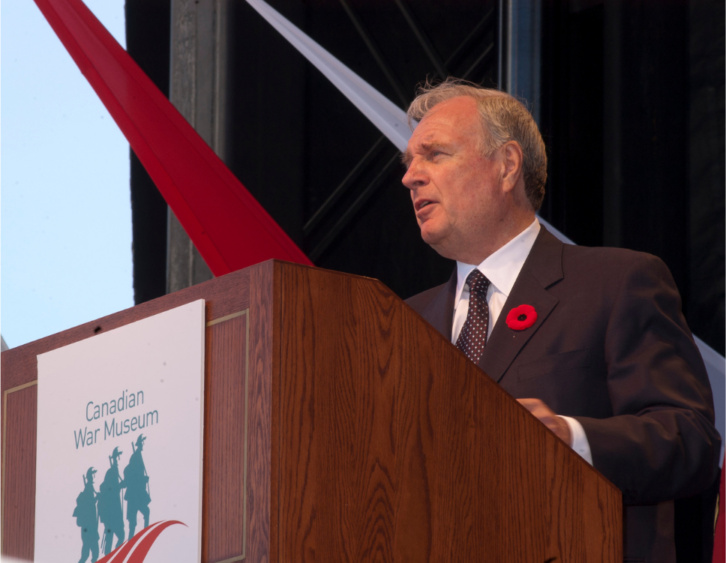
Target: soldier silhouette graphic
138, 494
87, 518
110, 504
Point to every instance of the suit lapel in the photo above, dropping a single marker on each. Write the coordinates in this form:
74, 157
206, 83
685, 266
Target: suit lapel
542, 269
438, 311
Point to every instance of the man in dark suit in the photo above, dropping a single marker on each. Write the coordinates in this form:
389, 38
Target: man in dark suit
591, 341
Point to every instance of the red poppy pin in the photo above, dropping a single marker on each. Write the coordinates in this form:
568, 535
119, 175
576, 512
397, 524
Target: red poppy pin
522, 317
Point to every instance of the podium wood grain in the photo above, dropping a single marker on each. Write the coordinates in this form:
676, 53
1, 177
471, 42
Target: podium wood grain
393, 447
341, 427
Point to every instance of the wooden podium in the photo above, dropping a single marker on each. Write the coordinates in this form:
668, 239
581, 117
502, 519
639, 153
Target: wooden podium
339, 426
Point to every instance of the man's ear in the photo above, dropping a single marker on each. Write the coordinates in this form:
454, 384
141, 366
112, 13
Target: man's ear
512, 159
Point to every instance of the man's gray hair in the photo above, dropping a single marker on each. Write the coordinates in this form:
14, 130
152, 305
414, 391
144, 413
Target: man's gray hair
503, 118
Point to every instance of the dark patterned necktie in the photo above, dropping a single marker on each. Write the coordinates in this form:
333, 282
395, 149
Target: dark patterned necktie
473, 336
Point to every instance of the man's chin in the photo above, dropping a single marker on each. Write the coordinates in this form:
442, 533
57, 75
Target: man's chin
432, 238
438, 243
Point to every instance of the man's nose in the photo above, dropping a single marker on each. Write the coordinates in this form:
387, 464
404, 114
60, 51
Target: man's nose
414, 176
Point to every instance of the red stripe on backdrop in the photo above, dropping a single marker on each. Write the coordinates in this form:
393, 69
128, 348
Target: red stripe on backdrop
228, 226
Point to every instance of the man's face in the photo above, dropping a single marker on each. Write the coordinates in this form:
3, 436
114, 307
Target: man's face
456, 192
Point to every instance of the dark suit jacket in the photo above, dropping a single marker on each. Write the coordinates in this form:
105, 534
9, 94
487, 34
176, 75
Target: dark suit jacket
611, 348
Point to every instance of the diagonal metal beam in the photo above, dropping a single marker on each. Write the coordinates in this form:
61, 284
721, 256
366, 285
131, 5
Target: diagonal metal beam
423, 40
471, 38
328, 207
347, 216
473, 66
375, 53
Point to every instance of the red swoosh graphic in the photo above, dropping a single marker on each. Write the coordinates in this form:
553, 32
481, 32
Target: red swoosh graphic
135, 549
226, 223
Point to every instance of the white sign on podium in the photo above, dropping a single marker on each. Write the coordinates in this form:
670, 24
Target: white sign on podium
119, 454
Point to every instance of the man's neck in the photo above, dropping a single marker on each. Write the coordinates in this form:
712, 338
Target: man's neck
508, 232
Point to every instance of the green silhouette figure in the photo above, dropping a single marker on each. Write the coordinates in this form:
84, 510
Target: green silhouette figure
87, 518
137, 495
110, 504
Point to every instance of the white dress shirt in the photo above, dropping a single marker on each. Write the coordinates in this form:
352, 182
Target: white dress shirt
501, 269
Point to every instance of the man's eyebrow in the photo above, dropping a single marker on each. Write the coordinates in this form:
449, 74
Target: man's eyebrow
426, 147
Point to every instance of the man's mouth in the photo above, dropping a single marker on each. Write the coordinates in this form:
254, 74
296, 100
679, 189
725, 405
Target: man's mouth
422, 203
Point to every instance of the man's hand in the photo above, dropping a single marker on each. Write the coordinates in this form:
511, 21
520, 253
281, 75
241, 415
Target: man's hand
548, 418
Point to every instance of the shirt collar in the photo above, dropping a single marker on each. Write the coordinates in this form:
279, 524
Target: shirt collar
502, 267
